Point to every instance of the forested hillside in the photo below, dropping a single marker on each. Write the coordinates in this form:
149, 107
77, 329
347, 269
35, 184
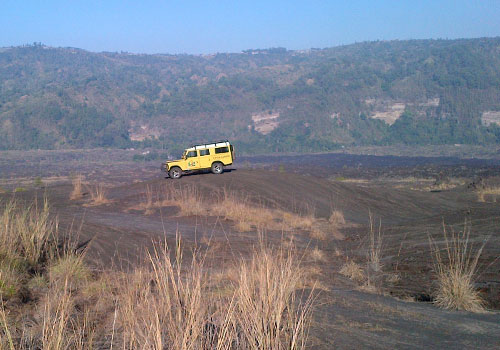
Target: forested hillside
408, 92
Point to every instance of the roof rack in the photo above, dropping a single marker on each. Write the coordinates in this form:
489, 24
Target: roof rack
208, 143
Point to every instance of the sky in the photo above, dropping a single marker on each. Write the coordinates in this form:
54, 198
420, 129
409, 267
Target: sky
211, 26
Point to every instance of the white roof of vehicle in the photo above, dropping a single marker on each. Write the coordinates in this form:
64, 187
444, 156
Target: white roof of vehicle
209, 145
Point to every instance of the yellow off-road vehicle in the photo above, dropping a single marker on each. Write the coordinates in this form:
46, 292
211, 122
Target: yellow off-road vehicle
213, 156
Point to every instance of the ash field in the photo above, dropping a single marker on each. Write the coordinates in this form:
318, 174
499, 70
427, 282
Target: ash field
343, 213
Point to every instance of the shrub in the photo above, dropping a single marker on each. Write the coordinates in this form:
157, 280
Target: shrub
455, 270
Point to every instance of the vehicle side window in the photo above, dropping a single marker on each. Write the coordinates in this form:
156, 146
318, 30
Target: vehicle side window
221, 150
204, 152
191, 154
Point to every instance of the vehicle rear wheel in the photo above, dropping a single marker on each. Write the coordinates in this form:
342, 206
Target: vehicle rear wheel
175, 172
217, 168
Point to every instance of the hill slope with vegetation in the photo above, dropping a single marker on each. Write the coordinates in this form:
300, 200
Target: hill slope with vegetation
374, 93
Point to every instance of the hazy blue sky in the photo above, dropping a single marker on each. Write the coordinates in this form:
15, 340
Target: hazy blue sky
185, 26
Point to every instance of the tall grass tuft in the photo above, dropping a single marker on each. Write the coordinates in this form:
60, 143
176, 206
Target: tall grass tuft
455, 270
270, 315
77, 191
56, 319
336, 218
167, 310
27, 233
375, 246
181, 306
148, 204
98, 195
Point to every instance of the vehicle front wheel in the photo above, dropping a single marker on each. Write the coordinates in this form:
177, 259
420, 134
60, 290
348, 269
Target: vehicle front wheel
217, 168
175, 173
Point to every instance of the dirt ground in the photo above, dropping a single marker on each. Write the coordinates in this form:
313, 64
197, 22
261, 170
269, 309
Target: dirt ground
409, 199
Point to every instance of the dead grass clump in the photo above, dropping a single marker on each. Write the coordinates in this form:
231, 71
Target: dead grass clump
172, 310
368, 287
77, 192
181, 306
317, 255
455, 270
236, 208
56, 317
375, 246
490, 192
10, 281
246, 215
353, 271
27, 234
148, 204
336, 218
295, 221
69, 267
187, 198
269, 313
98, 195
318, 234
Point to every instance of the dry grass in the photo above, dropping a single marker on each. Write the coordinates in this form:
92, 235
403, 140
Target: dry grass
187, 198
375, 246
168, 302
175, 304
318, 234
28, 249
149, 204
238, 209
56, 317
174, 312
246, 215
490, 192
98, 195
337, 218
455, 270
267, 309
295, 221
26, 233
186, 308
77, 192
353, 271
317, 255
69, 267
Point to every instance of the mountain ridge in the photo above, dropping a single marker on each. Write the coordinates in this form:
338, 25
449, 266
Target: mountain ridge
266, 100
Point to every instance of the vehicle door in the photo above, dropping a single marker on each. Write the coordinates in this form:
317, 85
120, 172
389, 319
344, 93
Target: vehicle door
205, 159
192, 160
222, 154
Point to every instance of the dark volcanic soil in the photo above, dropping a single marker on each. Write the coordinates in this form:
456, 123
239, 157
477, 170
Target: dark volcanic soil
346, 317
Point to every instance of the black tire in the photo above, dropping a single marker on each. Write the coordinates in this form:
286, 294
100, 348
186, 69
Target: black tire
217, 168
175, 172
